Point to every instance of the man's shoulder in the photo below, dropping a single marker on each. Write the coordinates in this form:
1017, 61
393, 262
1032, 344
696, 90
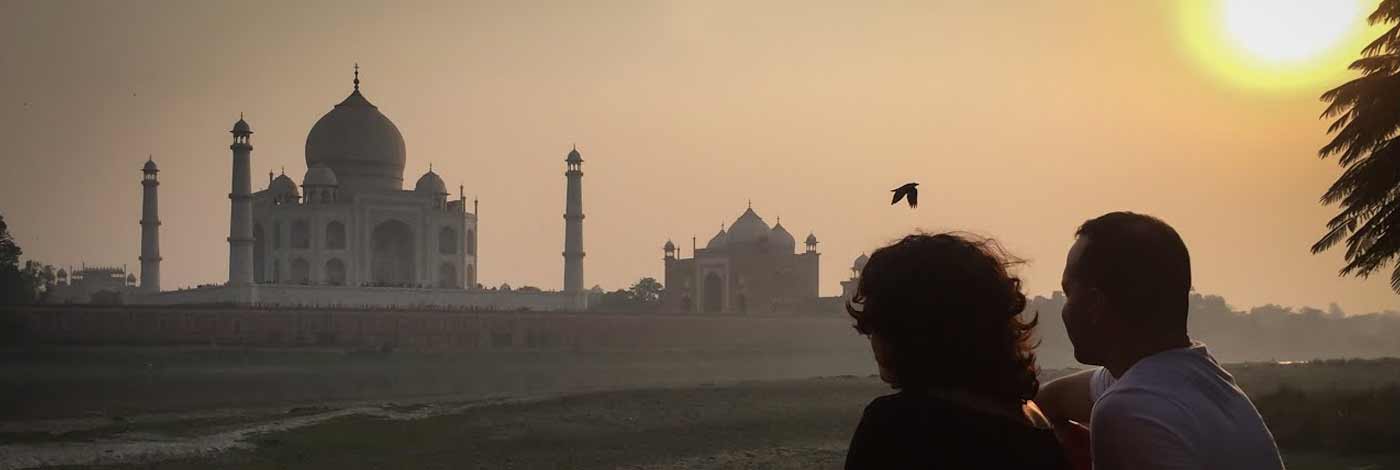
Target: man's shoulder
886, 406
1176, 371
1164, 387
1137, 403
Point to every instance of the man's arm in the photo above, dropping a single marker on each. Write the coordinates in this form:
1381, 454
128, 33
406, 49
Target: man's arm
1067, 398
1134, 431
1070, 398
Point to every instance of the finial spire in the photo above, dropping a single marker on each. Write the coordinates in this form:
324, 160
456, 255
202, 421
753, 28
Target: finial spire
284, 170
750, 203
357, 76
149, 157
240, 115
430, 167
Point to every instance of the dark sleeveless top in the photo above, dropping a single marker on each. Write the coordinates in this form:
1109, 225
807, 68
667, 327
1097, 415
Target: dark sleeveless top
909, 431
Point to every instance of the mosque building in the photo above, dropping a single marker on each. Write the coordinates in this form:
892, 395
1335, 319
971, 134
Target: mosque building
89, 284
748, 269
351, 234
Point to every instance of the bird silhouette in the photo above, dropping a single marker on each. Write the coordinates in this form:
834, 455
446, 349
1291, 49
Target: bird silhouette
910, 190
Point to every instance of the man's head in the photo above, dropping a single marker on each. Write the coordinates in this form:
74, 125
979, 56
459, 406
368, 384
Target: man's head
1127, 279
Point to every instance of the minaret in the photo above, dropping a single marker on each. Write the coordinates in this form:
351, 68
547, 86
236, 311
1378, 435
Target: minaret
573, 223
240, 229
150, 228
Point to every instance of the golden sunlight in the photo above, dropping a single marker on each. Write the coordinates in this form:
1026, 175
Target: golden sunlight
1276, 44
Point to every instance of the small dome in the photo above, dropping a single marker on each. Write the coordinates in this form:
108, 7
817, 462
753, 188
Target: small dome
283, 186
242, 127
574, 156
748, 228
718, 241
669, 246
860, 261
430, 183
150, 166
319, 175
781, 238
131, 278
811, 239
62, 272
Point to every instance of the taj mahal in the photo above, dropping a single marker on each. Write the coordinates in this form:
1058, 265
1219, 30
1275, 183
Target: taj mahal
352, 234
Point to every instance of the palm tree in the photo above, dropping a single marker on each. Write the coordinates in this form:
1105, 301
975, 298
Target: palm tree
1365, 141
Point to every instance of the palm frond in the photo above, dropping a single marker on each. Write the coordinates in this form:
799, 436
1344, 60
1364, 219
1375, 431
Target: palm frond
1365, 115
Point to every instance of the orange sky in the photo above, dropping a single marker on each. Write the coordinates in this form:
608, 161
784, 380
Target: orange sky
1020, 121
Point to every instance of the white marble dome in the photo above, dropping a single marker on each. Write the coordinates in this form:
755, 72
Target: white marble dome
430, 183
362, 146
283, 187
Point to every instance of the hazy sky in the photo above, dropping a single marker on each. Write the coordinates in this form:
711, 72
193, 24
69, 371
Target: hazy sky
1020, 119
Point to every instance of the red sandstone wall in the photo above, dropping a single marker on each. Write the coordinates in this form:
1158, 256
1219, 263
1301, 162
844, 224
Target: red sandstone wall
426, 330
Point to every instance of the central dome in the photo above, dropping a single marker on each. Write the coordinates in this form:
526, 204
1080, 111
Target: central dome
361, 145
748, 228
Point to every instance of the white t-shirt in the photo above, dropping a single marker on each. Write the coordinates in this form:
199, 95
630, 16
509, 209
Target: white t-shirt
1177, 409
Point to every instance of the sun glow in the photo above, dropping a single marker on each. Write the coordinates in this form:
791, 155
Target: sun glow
1277, 44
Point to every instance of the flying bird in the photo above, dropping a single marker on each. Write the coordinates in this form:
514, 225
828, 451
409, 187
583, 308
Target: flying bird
911, 190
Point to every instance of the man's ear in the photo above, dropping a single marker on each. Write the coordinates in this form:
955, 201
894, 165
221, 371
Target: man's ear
1097, 305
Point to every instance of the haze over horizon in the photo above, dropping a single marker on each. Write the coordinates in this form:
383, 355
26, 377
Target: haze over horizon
1019, 122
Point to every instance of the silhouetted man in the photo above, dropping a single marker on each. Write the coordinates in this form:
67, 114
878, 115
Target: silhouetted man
1159, 401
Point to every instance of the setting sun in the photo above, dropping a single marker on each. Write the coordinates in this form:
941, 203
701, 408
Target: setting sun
1276, 44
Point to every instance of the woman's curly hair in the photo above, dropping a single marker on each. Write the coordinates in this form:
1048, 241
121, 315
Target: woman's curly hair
948, 312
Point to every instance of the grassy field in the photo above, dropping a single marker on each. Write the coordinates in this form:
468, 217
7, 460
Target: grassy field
796, 424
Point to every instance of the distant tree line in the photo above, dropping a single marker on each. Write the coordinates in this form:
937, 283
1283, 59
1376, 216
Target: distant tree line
21, 284
1264, 333
642, 297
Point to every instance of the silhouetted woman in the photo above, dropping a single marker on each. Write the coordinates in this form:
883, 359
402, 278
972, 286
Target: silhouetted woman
942, 314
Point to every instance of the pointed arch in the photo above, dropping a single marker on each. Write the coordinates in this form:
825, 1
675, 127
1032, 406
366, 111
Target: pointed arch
335, 235
301, 234
447, 276
301, 271
713, 296
448, 242
392, 254
335, 272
